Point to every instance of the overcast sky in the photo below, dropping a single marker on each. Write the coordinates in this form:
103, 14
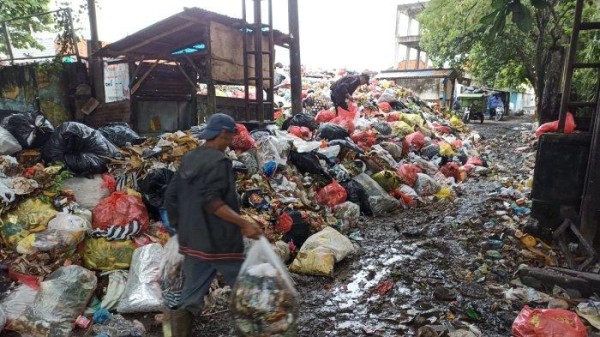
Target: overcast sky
357, 35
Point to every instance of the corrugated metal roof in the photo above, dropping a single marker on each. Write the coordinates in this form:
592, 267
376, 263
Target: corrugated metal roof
173, 33
408, 74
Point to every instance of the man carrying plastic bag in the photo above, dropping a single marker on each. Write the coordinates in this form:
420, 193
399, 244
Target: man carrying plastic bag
202, 204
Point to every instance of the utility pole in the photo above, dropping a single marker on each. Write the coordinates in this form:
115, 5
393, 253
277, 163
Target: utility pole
295, 65
94, 45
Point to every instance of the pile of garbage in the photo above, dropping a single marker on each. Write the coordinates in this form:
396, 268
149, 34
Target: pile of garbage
81, 217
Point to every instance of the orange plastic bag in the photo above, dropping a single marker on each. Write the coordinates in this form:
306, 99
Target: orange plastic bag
408, 173
452, 170
365, 138
385, 106
347, 114
325, 116
345, 123
416, 141
394, 117
553, 126
120, 209
242, 141
300, 132
548, 323
332, 194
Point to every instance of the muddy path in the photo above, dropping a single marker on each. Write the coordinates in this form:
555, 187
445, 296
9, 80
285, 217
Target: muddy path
424, 266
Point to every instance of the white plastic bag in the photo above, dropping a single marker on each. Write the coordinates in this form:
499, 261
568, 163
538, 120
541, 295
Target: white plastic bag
265, 302
329, 240
17, 301
8, 143
349, 213
142, 292
171, 273
69, 222
426, 185
117, 281
88, 192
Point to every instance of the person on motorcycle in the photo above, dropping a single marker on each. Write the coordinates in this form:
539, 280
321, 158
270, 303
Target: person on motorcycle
493, 102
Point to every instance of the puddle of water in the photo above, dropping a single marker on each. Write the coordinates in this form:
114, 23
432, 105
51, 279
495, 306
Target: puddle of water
358, 287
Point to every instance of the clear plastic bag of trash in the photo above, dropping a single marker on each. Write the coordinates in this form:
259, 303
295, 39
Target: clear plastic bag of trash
249, 159
264, 301
88, 191
52, 241
69, 222
17, 301
62, 297
118, 326
171, 273
349, 213
8, 144
7, 195
379, 200
143, 292
426, 185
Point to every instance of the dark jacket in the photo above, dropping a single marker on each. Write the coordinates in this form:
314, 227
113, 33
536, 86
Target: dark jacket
343, 86
205, 181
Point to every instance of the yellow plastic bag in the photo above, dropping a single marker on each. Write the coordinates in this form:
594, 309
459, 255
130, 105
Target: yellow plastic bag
387, 179
445, 193
446, 150
53, 241
101, 254
412, 119
12, 231
401, 129
457, 123
313, 263
32, 214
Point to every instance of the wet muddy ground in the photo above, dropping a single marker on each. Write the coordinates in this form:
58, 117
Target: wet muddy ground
423, 266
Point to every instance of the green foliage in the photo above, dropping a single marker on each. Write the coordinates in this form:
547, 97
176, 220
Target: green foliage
21, 30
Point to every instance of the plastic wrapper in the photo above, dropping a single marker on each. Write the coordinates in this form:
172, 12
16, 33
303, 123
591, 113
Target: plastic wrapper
62, 297
358, 195
249, 159
30, 129
242, 141
69, 222
16, 302
101, 254
7, 195
349, 213
547, 323
120, 209
264, 301
401, 129
332, 194
8, 144
52, 241
88, 191
32, 215
143, 292
171, 273
117, 280
553, 126
331, 131
380, 201
120, 134
83, 149
320, 252
426, 185
388, 180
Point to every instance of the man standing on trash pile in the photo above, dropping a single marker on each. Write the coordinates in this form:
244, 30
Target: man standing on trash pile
342, 89
202, 203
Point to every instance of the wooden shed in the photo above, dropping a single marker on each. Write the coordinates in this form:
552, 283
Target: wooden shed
169, 60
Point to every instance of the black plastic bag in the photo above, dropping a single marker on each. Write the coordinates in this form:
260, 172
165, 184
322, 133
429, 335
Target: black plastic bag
301, 119
383, 128
31, 129
197, 129
153, 188
346, 144
430, 151
330, 131
308, 162
83, 149
358, 195
300, 231
120, 134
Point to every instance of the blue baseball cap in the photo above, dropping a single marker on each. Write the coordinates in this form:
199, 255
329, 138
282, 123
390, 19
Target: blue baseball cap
216, 123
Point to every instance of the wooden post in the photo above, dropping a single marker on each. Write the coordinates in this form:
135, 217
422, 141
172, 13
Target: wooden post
211, 94
295, 64
8, 44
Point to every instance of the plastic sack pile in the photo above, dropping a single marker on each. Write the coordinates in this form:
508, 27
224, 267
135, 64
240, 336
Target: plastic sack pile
307, 180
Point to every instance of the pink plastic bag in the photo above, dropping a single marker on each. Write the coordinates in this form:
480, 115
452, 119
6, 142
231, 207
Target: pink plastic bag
548, 323
332, 194
416, 141
385, 107
325, 116
553, 126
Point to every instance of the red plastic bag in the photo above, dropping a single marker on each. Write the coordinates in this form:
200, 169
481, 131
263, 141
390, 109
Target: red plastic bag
110, 183
325, 116
300, 131
416, 141
553, 126
408, 173
548, 323
452, 170
285, 222
474, 161
442, 128
385, 106
332, 194
347, 114
345, 123
366, 138
242, 141
120, 209
394, 117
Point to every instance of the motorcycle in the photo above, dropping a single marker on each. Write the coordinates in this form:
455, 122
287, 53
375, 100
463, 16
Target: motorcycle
468, 115
499, 113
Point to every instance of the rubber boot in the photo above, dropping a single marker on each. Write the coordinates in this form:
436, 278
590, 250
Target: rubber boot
181, 323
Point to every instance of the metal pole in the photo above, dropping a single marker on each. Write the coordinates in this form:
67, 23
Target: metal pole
8, 44
93, 25
295, 65
95, 63
258, 62
73, 36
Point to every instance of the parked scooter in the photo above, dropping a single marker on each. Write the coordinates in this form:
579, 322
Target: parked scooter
469, 115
